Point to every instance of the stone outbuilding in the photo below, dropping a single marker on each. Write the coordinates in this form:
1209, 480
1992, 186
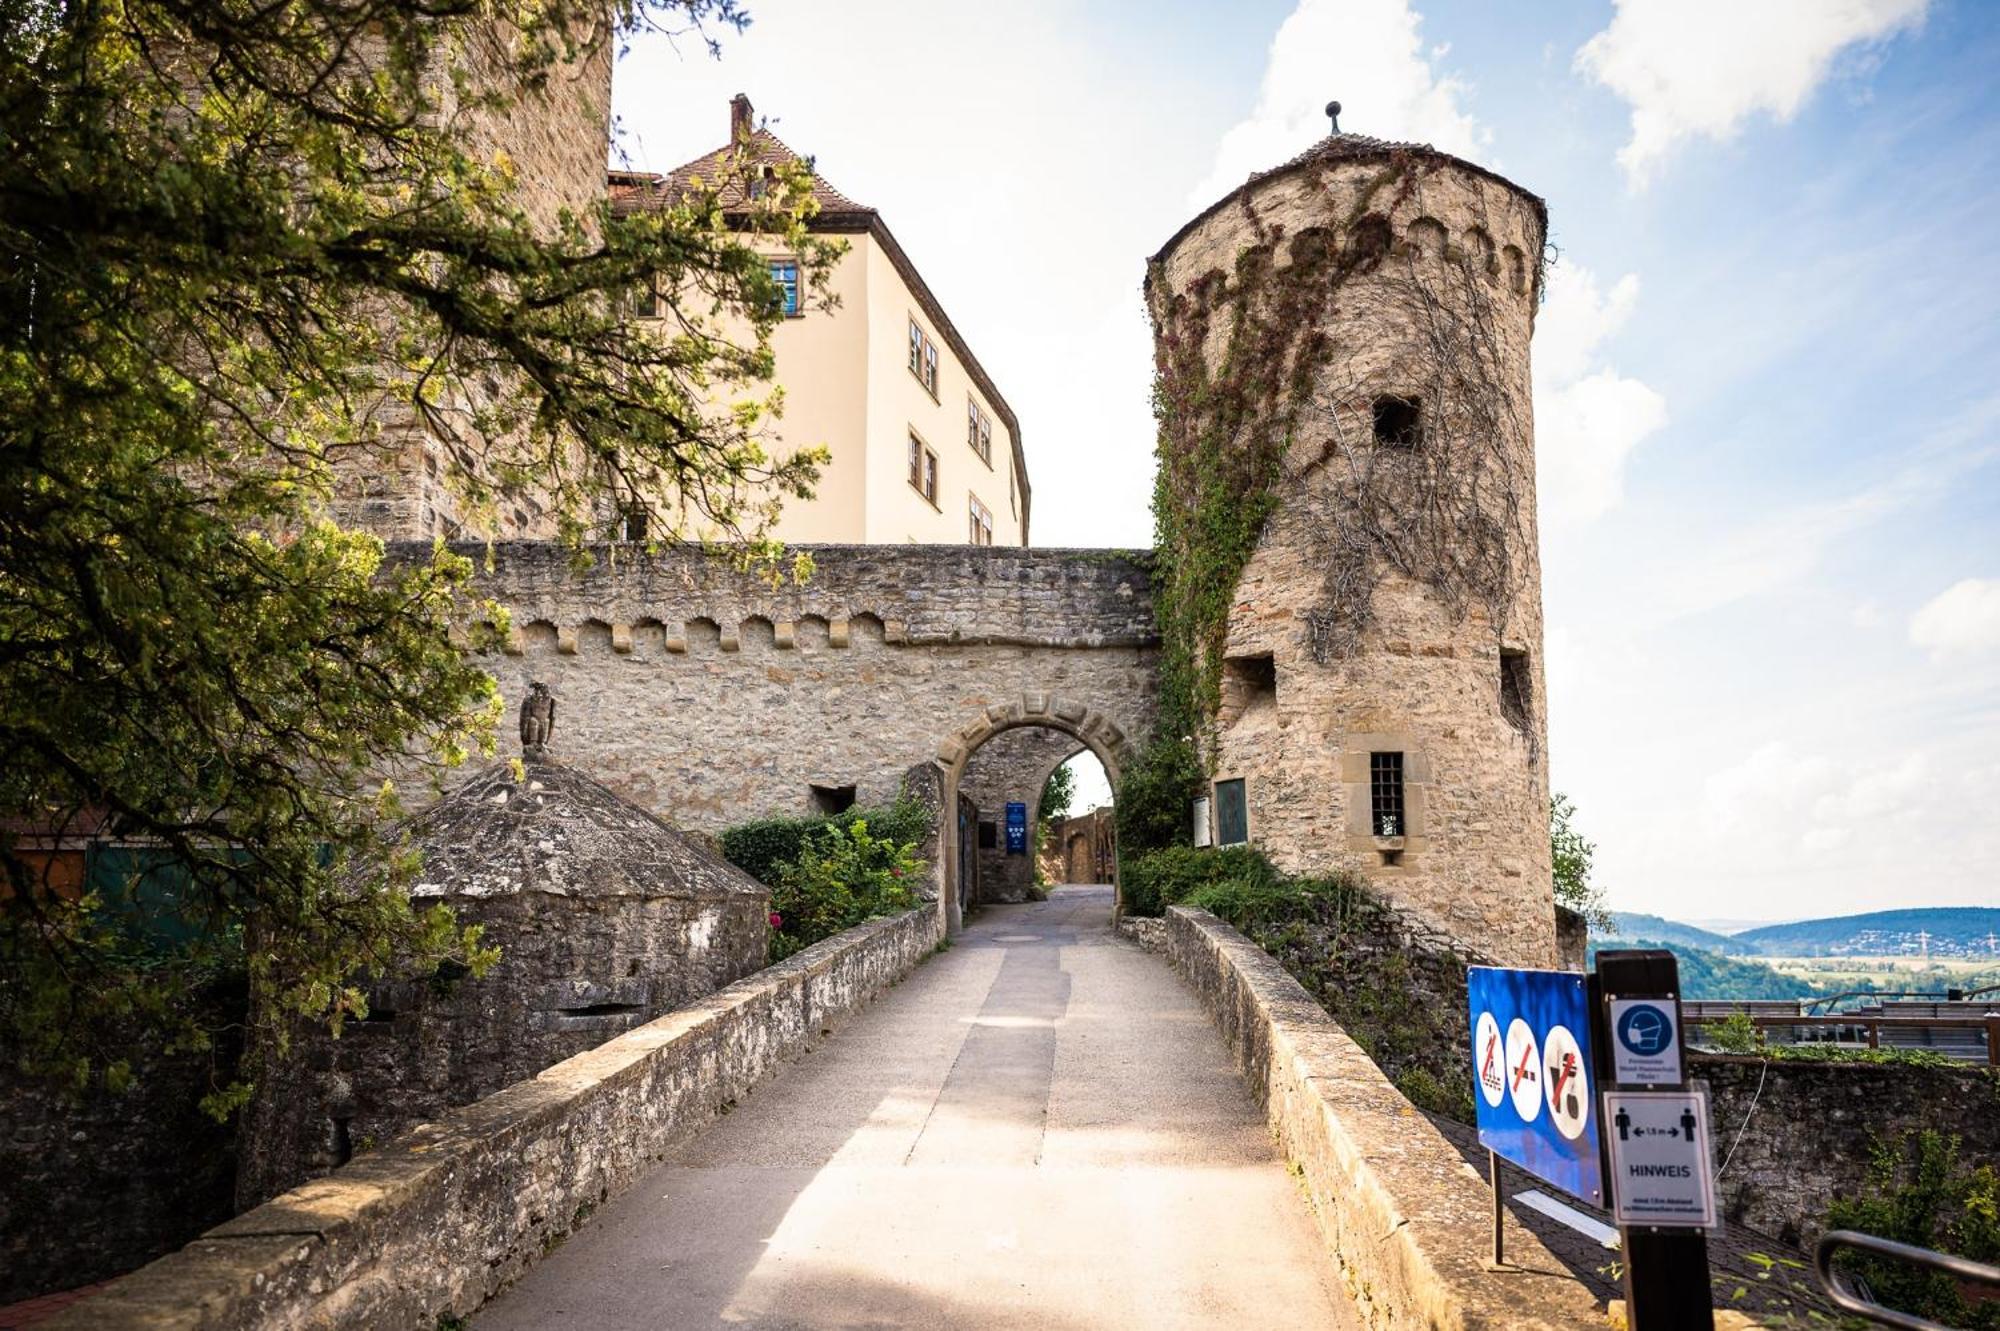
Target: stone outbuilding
605, 918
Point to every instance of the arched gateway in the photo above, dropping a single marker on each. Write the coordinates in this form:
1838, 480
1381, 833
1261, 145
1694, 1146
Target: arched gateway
1087, 726
712, 696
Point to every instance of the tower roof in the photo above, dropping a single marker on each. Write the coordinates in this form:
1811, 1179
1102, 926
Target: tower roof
1356, 148
560, 833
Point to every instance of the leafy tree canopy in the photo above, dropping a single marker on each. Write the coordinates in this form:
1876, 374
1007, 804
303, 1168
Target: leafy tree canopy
252, 253
1057, 792
1571, 854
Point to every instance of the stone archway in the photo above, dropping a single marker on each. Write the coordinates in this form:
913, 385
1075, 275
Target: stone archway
1105, 738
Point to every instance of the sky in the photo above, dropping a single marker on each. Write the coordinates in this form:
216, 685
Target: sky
1767, 406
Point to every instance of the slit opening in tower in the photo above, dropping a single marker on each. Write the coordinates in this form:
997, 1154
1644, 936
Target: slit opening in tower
1399, 421
1516, 688
832, 799
1248, 682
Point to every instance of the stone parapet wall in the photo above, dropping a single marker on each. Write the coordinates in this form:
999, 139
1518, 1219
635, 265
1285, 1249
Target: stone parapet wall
435, 1223
1808, 1130
1406, 1221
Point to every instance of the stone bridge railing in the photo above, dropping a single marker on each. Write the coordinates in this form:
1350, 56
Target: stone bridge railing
434, 1223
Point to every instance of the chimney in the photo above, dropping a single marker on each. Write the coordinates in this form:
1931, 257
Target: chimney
742, 120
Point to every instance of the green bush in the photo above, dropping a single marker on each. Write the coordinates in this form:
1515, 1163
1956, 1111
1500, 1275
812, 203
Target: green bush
763, 848
843, 874
1155, 797
1157, 879
1918, 1192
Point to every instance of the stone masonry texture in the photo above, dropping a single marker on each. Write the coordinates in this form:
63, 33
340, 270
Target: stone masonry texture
710, 696
605, 918
96, 1181
1425, 679
1809, 1130
1013, 765
426, 1228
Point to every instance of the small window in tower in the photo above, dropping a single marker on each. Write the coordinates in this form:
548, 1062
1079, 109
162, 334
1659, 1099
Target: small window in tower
832, 799
1398, 422
1516, 688
1385, 794
989, 834
1232, 813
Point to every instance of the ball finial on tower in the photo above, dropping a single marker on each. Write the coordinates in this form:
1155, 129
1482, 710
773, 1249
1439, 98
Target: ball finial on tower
1333, 114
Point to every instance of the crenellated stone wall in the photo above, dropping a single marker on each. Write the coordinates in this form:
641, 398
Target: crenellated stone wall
710, 696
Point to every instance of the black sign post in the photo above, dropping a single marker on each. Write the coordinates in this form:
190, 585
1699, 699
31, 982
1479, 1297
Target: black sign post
1666, 1269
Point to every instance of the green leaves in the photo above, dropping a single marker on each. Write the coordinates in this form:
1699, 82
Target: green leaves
841, 877
1920, 1192
1570, 855
272, 271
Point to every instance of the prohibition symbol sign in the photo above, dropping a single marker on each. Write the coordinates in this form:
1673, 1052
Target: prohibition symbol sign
1567, 1082
1524, 1070
1490, 1059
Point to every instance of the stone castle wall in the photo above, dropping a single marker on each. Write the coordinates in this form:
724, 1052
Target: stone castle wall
555, 137
710, 696
1797, 1134
1425, 679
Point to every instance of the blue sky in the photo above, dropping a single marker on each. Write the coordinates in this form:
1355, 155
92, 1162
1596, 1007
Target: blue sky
1766, 391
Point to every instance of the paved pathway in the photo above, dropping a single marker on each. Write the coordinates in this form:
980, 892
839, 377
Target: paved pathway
1039, 1128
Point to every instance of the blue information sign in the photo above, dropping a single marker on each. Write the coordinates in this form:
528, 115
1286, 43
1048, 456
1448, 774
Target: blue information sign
1017, 828
1531, 1075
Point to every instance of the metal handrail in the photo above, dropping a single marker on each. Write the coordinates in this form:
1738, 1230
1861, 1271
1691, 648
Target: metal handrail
1964, 1268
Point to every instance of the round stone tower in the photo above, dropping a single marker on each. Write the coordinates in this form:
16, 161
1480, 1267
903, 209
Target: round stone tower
1347, 520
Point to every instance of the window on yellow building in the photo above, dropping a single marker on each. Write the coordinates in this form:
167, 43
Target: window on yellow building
979, 431
646, 299
923, 358
785, 272
981, 522
923, 469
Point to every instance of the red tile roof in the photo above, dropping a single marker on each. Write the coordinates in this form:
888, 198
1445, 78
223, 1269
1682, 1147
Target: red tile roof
635, 190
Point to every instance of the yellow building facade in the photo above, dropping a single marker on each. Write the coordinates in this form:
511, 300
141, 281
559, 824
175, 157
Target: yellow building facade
923, 447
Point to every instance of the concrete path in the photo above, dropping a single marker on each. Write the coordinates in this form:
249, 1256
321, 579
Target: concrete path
1039, 1128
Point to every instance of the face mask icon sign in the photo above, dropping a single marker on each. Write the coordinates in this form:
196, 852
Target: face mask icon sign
1644, 1030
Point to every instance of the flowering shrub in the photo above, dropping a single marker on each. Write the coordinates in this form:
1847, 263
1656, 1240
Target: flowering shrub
841, 875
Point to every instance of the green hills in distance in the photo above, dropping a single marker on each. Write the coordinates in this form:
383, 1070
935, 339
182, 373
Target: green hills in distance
1972, 932
1929, 949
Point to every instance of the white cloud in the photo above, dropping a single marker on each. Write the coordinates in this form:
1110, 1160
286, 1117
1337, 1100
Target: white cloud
1370, 56
1796, 816
1962, 620
1693, 68
1588, 417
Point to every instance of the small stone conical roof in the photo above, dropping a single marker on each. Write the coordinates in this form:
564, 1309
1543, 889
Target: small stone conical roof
557, 832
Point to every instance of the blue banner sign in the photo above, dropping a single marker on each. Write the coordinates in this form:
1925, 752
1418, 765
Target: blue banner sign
1017, 828
1531, 1075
